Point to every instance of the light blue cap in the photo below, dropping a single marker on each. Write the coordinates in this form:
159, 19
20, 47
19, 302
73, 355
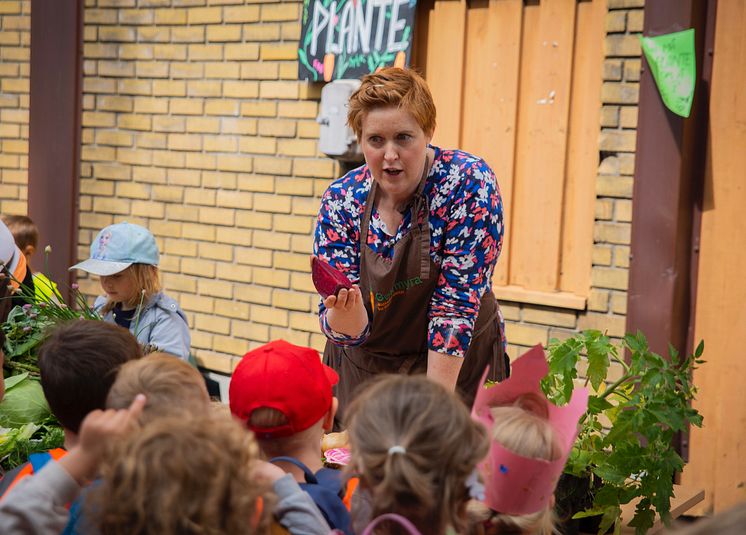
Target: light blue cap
119, 246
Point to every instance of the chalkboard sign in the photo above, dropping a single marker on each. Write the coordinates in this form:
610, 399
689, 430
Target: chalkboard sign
350, 38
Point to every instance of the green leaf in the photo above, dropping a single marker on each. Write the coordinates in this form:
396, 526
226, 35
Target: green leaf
10, 382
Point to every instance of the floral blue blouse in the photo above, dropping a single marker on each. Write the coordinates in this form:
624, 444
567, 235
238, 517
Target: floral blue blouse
466, 231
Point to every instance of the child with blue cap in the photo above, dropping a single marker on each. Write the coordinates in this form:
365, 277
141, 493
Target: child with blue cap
126, 256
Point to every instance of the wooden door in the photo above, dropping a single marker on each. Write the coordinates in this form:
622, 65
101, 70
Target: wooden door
718, 450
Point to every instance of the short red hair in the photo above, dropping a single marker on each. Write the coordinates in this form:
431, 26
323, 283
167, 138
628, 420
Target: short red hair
392, 87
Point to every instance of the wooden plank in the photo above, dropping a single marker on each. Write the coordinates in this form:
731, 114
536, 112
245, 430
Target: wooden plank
493, 49
421, 25
716, 460
550, 299
582, 149
445, 66
546, 66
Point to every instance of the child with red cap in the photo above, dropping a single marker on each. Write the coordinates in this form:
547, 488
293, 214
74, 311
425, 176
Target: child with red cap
283, 393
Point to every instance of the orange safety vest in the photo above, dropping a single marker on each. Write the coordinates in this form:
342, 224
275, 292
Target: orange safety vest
35, 463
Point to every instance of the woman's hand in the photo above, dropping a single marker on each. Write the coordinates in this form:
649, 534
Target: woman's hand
346, 312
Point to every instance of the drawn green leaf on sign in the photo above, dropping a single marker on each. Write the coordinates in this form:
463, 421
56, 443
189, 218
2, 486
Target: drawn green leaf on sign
673, 63
304, 60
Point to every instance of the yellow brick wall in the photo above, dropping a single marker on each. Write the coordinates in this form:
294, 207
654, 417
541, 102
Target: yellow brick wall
195, 126
15, 40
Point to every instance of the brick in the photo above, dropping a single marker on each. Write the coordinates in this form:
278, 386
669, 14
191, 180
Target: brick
135, 87
546, 316
234, 272
618, 233
221, 107
110, 137
598, 300
241, 14
271, 240
235, 199
204, 15
238, 126
277, 127
133, 190
188, 142
215, 361
613, 325
254, 220
259, 109
168, 229
148, 209
150, 105
116, 34
272, 203
168, 159
97, 50
151, 69
294, 186
268, 315
241, 51
292, 224
616, 4
279, 51
305, 206
612, 278
622, 46
135, 122
614, 140
186, 106
297, 147
613, 69
254, 257
254, 70
149, 174
199, 197
230, 345
251, 331
614, 186
628, 117
169, 124
260, 183
217, 216
213, 324
224, 33
197, 303
254, 294
188, 34
195, 266
112, 172
240, 89
632, 70
623, 211
616, 21
169, 88
170, 16
227, 162
604, 209
215, 251
635, 21
220, 143
218, 180
100, 154
187, 70
200, 161
180, 247
261, 32
620, 93
205, 53
322, 168
619, 303
308, 129
222, 71
527, 335
280, 12
601, 255
258, 145
304, 322
290, 261
111, 205
183, 177
279, 90
207, 88
203, 125
291, 31
310, 91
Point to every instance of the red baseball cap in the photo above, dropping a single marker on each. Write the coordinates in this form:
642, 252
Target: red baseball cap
284, 377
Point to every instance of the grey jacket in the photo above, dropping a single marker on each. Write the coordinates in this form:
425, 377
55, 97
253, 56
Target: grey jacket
36, 505
161, 323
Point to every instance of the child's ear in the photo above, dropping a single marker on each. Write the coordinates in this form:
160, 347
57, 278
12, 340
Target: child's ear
29, 250
328, 423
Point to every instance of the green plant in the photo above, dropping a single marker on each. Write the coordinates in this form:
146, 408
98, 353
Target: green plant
624, 448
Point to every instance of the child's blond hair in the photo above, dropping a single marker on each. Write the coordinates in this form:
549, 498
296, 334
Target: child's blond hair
146, 280
415, 447
523, 429
185, 476
170, 385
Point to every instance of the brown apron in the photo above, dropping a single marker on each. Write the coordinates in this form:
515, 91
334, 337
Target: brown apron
397, 295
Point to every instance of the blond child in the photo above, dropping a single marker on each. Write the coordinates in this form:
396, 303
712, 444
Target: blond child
531, 439
126, 258
416, 450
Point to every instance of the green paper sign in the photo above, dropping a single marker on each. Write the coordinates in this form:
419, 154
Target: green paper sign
674, 66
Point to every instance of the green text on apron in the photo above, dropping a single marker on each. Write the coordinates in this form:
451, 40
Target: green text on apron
397, 295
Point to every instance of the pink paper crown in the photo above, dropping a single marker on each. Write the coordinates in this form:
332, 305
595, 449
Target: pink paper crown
514, 484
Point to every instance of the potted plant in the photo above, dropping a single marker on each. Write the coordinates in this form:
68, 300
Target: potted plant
624, 448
